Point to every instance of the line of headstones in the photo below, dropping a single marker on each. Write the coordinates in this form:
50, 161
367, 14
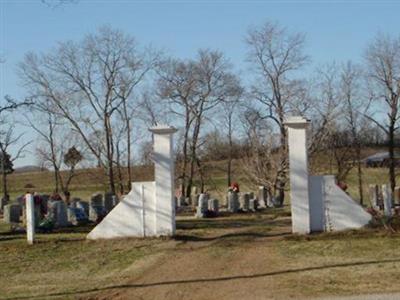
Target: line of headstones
382, 198
234, 202
61, 214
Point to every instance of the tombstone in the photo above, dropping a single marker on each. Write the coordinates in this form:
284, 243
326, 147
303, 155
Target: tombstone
12, 213
74, 201
253, 204
387, 200
244, 203
76, 216
96, 208
114, 200
108, 201
262, 196
3, 202
84, 206
61, 214
96, 213
374, 194
202, 208
180, 201
30, 218
195, 200
233, 201
213, 205
96, 199
20, 200
396, 197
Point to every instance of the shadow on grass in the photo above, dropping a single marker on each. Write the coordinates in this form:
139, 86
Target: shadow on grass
212, 279
193, 238
230, 223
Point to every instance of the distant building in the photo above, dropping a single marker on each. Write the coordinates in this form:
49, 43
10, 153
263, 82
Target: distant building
381, 159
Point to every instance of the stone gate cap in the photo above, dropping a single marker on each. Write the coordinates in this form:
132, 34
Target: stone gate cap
296, 121
163, 129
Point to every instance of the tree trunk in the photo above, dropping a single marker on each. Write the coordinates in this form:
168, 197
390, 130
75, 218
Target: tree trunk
110, 171
392, 163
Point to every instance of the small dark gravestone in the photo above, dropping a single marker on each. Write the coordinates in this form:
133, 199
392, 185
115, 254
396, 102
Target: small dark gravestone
12, 213
202, 208
84, 206
108, 201
77, 216
96, 208
244, 203
233, 201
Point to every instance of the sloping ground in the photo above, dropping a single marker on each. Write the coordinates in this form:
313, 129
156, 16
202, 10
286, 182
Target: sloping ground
244, 256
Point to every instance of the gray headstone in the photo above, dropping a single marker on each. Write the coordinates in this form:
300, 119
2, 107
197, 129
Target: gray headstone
96, 199
61, 214
202, 205
3, 202
253, 204
12, 213
233, 201
76, 216
96, 212
387, 200
262, 197
244, 203
108, 201
374, 194
213, 205
84, 206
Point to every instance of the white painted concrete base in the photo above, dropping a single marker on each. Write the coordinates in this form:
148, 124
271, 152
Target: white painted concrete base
134, 216
340, 211
149, 209
317, 203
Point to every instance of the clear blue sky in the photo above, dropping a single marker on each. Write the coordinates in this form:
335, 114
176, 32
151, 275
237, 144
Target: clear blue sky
335, 30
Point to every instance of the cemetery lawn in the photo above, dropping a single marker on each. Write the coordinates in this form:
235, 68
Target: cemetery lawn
244, 256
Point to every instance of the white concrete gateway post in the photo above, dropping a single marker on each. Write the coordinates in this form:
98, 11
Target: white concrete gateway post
164, 179
30, 218
299, 180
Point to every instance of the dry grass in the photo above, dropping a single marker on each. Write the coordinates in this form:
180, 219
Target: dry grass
233, 257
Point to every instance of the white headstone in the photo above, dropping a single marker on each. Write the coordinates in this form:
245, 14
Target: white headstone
30, 218
387, 200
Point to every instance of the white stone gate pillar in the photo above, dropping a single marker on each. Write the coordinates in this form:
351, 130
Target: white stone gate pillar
30, 218
299, 180
164, 178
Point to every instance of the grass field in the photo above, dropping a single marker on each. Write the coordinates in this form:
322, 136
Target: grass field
232, 257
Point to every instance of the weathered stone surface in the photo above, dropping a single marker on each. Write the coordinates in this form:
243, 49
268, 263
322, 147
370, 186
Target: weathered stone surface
108, 201
233, 201
244, 203
253, 205
96, 212
262, 196
12, 213
387, 200
202, 207
96, 199
374, 194
213, 205
76, 216
84, 206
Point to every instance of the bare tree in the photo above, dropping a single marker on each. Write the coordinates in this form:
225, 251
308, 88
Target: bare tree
194, 88
383, 72
276, 55
88, 82
350, 86
8, 139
